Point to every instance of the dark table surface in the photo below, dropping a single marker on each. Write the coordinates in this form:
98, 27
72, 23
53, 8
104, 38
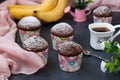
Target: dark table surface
90, 67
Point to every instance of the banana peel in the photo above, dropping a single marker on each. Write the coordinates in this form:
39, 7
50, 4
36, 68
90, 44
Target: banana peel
18, 11
48, 11
53, 15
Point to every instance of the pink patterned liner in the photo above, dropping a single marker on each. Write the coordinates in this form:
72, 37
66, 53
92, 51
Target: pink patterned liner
26, 34
44, 55
102, 19
57, 40
70, 64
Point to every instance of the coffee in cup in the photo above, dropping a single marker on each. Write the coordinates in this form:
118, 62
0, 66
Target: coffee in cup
101, 29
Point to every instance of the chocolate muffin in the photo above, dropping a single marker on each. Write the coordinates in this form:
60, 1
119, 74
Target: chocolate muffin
28, 26
29, 23
35, 44
69, 49
70, 56
38, 45
102, 14
62, 30
60, 33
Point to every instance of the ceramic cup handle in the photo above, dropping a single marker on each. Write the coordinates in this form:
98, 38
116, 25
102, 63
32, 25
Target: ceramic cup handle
116, 34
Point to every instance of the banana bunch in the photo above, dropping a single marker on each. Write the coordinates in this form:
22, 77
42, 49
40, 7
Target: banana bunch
53, 15
48, 11
18, 11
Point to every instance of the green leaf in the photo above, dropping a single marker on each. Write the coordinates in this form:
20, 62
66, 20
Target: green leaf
114, 49
82, 4
112, 58
107, 47
114, 65
111, 68
119, 68
90, 1
116, 61
111, 47
107, 65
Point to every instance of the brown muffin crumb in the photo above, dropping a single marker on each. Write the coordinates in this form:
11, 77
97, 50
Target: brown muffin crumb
102, 11
70, 48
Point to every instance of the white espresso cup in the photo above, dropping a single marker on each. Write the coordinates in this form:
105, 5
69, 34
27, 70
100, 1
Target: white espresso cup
101, 32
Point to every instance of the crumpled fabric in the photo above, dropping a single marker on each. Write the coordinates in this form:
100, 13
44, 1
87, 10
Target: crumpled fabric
114, 5
14, 59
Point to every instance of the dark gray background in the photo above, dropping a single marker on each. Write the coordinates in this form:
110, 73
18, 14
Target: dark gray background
90, 67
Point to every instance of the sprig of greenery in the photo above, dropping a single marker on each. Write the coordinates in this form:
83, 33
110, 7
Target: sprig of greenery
82, 4
114, 65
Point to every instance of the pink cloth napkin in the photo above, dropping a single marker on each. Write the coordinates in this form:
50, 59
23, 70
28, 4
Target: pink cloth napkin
114, 5
14, 59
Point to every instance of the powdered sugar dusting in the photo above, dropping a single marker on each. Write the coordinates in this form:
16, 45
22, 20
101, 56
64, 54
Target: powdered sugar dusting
36, 43
62, 28
28, 22
102, 10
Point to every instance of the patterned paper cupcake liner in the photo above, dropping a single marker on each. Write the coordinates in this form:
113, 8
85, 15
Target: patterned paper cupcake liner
102, 19
57, 40
44, 55
70, 64
26, 34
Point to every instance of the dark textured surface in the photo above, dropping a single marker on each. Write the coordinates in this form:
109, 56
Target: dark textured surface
90, 67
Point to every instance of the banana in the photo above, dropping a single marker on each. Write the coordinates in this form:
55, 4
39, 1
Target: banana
53, 15
18, 11
46, 5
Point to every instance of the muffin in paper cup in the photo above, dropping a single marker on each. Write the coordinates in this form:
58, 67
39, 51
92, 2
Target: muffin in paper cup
103, 19
60, 33
38, 45
102, 14
28, 26
70, 56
